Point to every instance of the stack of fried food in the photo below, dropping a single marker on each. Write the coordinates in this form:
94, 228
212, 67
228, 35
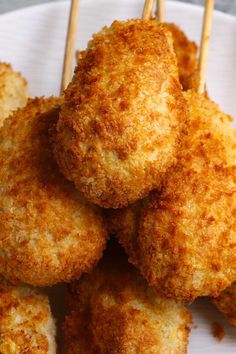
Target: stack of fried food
132, 152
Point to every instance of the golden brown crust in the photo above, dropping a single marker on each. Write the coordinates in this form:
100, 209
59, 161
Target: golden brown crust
13, 91
186, 240
114, 311
186, 53
190, 226
226, 303
48, 232
118, 129
26, 322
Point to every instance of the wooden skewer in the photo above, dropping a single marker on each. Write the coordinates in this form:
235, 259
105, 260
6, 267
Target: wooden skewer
205, 41
161, 10
147, 10
70, 41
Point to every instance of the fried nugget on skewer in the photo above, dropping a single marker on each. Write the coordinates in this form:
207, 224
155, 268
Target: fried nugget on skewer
113, 311
184, 242
13, 91
226, 303
48, 232
186, 53
26, 322
118, 130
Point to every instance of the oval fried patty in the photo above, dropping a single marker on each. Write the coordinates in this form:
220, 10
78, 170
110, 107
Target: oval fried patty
119, 126
48, 232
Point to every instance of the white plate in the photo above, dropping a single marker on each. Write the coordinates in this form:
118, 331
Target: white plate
32, 39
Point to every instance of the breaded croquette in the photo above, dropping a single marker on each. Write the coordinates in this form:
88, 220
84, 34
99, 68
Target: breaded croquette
114, 311
26, 322
226, 303
13, 91
186, 53
48, 232
185, 243
119, 126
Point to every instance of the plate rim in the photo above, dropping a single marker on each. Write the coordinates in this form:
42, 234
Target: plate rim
178, 4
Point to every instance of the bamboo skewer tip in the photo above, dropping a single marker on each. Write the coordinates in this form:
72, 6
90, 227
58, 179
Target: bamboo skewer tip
161, 10
70, 42
147, 10
205, 42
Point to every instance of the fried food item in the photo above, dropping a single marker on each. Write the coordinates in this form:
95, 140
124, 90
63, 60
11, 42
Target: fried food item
186, 53
184, 242
26, 322
48, 232
13, 91
226, 303
119, 126
114, 311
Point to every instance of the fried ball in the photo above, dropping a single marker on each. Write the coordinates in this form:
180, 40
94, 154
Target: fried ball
119, 126
186, 53
114, 311
48, 232
226, 303
184, 242
26, 322
13, 91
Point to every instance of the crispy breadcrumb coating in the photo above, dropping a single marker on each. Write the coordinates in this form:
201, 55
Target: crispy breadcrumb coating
185, 242
186, 53
118, 129
113, 311
13, 91
48, 232
226, 303
26, 322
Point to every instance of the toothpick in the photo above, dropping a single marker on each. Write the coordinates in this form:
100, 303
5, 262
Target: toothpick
161, 10
205, 41
70, 42
147, 10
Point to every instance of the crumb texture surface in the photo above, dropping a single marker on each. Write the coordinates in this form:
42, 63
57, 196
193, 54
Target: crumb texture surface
13, 91
119, 127
26, 322
48, 232
184, 237
113, 311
